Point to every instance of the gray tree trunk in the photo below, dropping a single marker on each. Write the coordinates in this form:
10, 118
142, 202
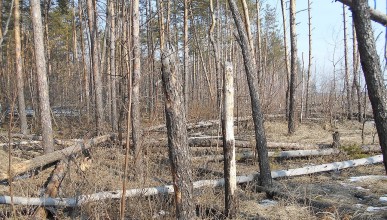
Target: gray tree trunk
372, 70
347, 75
136, 78
178, 148
293, 68
44, 100
251, 69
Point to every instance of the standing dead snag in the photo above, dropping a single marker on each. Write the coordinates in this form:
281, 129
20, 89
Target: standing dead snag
178, 149
372, 70
251, 69
293, 68
229, 142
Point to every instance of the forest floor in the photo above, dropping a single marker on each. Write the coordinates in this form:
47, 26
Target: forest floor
306, 196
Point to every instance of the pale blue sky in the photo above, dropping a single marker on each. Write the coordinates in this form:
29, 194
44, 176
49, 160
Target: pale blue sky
327, 22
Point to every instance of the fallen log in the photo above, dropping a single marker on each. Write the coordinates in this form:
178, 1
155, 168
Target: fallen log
43, 160
281, 154
200, 124
83, 199
288, 154
19, 143
52, 188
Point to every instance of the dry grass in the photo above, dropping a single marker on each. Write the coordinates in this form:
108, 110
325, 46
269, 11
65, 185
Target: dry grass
106, 172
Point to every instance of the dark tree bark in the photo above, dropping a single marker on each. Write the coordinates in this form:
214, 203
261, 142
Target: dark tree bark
293, 68
19, 71
178, 149
372, 70
251, 69
44, 100
375, 15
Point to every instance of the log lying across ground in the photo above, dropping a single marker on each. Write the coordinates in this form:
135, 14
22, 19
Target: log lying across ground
83, 199
200, 124
289, 154
43, 160
19, 143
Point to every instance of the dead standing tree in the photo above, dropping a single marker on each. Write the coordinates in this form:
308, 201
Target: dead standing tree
251, 69
229, 142
44, 100
372, 70
293, 68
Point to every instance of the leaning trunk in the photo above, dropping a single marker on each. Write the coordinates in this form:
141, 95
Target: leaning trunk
372, 70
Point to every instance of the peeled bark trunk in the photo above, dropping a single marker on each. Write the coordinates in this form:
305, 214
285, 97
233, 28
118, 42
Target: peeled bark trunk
44, 100
372, 70
250, 70
19, 71
179, 154
229, 143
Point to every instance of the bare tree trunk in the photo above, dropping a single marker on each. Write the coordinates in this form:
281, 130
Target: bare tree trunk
19, 71
372, 70
44, 100
356, 84
215, 45
247, 26
186, 56
293, 68
93, 28
310, 59
113, 65
229, 143
178, 149
347, 75
85, 73
136, 78
250, 69
286, 59
258, 54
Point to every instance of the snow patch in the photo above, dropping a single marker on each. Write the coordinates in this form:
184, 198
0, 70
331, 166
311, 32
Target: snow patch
268, 202
370, 177
383, 198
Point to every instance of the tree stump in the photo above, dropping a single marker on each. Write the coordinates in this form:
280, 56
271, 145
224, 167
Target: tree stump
336, 139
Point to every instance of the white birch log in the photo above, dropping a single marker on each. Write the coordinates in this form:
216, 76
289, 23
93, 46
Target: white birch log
83, 199
281, 154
